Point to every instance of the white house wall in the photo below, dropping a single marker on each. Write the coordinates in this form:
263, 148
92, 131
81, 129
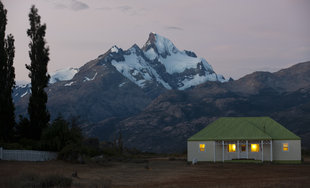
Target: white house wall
208, 154
294, 152
194, 153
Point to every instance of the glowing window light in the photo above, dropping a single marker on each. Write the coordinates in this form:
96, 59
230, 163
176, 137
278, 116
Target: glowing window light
231, 147
254, 147
202, 147
285, 146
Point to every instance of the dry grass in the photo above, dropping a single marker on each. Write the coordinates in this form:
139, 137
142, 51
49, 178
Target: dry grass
161, 173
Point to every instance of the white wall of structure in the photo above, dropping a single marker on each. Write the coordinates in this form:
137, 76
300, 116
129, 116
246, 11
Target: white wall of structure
268, 151
194, 153
293, 153
26, 155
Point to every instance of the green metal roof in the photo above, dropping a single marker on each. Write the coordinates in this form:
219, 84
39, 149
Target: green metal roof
244, 128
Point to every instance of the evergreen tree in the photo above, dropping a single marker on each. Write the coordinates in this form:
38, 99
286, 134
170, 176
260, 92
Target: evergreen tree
38, 113
7, 76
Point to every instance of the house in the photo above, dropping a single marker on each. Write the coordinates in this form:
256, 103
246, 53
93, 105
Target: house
257, 138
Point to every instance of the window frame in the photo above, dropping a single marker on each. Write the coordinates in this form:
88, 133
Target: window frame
288, 147
199, 148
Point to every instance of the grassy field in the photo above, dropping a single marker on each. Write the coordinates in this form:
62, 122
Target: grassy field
156, 172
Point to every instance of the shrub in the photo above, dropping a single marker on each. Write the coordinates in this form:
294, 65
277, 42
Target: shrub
55, 181
59, 135
56, 136
11, 145
31, 180
71, 153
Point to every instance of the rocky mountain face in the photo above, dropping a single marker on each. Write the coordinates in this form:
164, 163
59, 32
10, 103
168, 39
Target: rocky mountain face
121, 83
169, 120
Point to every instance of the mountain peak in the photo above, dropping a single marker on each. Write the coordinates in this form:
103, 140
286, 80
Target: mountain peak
162, 45
114, 49
160, 62
150, 41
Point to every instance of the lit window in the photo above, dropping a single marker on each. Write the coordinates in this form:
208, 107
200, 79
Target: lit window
254, 147
231, 147
202, 147
243, 148
285, 146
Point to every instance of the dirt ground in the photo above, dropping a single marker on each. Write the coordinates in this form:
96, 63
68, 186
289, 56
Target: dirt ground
163, 173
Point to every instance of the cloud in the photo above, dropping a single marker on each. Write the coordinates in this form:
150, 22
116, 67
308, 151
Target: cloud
104, 8
78, 5
174, 28
125, 8
74, 5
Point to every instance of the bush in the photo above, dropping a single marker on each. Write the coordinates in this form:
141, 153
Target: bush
56, 136
11, 145
59, 135
30, 144
71, 153
56, 181
77, 153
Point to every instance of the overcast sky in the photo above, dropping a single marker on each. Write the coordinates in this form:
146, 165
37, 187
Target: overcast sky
236, 37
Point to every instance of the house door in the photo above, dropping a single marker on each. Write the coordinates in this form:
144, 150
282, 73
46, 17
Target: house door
243, 153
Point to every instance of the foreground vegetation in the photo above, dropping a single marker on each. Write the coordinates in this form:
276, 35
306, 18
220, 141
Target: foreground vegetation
147, 171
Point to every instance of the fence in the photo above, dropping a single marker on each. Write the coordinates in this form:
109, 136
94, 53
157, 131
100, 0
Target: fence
26, 155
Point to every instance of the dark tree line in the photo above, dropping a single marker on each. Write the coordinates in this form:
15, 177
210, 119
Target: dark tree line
39, 56
7, 79
35, 132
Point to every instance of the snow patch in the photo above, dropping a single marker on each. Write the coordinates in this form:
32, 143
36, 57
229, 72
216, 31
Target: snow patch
221, 78
21, 82
122, 84
150, 54
135, 73
63, 75
24, 94
175, 61
23, 85
69, 84
159, 80
114, 49
132, 68
90, 79
164, 45
179, 62
196, 80
137, 70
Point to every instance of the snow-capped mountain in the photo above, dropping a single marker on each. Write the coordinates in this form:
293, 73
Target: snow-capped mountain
23, 88
63, 75
159, 60
120, 82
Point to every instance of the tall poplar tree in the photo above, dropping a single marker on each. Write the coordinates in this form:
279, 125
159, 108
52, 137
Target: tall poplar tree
37, 110
7, 76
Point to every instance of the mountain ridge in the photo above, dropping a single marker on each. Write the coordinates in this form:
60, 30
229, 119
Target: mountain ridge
158, 96
166, 123
117, 75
